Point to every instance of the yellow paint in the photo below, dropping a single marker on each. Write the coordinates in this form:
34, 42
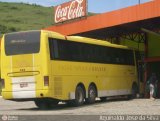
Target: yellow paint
153, 45
64, 76
132, 44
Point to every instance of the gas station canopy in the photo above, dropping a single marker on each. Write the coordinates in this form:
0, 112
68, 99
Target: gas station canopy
135, 19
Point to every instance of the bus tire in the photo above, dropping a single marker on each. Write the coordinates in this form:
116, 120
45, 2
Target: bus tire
92, 93
79, 96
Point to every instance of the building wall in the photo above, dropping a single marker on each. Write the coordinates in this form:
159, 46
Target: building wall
132, 44
153, 45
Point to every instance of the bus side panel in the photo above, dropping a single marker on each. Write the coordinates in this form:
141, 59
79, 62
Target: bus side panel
43, 60
110, 79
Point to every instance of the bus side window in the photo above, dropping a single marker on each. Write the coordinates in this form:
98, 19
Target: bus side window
113, 55
121, 58
53, 47
118, 56
125, 57
108, 57
129, 57
74, 51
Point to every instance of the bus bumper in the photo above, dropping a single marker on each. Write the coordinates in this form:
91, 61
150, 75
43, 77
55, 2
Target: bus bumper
9, 95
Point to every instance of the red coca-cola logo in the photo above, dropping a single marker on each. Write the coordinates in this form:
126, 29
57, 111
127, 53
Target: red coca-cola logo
70, 10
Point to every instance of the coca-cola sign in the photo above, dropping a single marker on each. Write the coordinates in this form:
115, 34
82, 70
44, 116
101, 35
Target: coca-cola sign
70, 10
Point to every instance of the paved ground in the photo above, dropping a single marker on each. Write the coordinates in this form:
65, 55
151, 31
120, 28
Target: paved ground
110, 107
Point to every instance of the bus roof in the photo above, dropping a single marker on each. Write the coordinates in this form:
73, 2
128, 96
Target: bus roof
21, 32
87, 40
95, 41
78, 39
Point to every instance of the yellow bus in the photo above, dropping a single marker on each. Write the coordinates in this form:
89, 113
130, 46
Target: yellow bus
48, 67
0, 69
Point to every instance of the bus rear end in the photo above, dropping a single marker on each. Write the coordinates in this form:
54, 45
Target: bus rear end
22, 66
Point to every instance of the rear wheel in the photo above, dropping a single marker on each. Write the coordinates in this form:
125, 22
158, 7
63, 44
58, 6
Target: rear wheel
79, 97
91, 94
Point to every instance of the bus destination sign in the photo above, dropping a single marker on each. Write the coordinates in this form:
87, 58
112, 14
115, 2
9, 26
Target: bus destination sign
70, 10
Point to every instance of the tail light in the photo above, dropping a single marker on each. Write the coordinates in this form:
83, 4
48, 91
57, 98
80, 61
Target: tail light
3, 83
46, 80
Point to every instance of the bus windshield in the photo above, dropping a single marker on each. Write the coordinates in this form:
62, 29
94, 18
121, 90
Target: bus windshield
22, 43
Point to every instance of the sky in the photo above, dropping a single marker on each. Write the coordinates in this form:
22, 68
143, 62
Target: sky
95, 6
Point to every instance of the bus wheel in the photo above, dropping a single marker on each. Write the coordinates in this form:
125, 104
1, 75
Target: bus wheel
79, 96
91, 94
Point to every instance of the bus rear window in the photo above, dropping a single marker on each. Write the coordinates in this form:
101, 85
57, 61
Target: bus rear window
22, 43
